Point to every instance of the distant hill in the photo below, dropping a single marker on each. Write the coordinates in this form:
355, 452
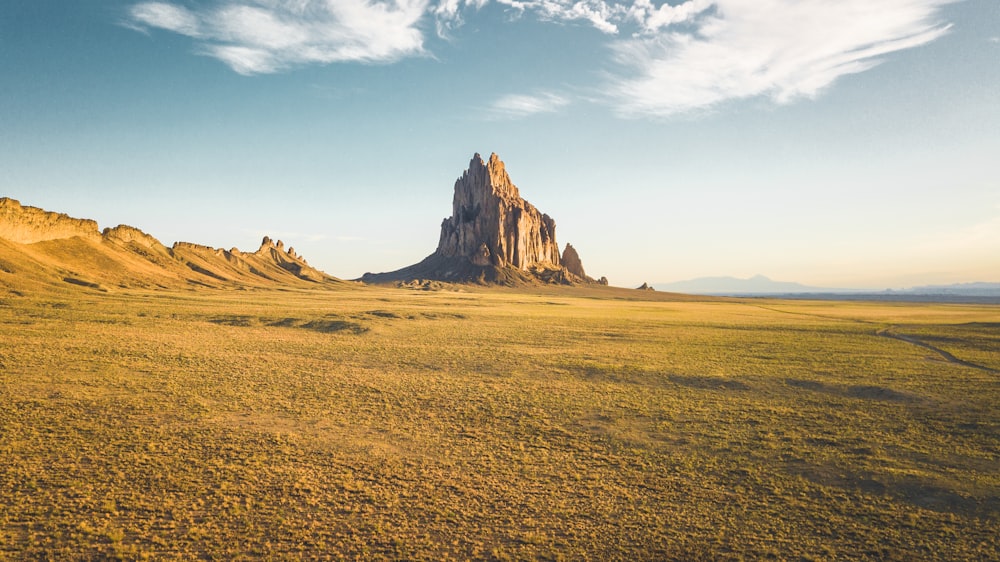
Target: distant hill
977, 289
39, 248
756, 285
761, 285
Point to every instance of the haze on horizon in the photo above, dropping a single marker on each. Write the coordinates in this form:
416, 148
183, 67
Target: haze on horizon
849, 144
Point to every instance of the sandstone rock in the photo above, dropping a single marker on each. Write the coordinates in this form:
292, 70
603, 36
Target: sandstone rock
602, 281
493, 236
270, 263
571, 261
488, 212
125, 234
69, 250
482, 256
28, 225
645, 287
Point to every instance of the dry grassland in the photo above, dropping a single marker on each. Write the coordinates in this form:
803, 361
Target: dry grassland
398, 424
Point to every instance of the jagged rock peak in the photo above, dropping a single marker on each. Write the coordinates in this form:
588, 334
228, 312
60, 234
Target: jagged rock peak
492, 225
276, 249
493, 236
571, 261
490, 173
268, 244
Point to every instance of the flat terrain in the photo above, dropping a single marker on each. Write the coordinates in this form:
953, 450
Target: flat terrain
495, 424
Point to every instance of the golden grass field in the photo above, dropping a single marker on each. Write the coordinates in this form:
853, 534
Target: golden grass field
545, 424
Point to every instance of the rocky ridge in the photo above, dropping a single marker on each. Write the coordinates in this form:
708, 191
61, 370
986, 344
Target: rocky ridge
27, 225
39, 247
493, 236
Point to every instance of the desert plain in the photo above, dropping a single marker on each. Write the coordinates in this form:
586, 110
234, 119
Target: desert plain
450, 422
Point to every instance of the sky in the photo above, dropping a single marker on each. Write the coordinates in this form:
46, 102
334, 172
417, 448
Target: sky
848, 143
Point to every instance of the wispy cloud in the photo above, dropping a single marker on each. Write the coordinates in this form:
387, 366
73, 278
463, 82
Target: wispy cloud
166, 16
668, 58
780, 49
262, 36
448, 14
520, 105
602, 15
697, 54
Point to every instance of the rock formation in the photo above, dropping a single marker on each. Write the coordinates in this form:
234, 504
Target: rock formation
492, 224
125, 234
40, 248
492, 236
28, 225
571, 261
645, 287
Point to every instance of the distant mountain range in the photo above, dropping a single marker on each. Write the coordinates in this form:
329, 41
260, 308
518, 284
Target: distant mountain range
756, 285
761, 285
978, 289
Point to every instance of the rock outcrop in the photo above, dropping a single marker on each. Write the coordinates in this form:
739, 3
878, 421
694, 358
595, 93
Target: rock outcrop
40, 248
492, 236
270, 263
27, 225
491, 224
571, 261
126, 234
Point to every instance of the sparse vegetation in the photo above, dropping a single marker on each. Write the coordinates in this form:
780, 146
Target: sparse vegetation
494, 424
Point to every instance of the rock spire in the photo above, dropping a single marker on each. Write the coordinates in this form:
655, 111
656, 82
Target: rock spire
492, 236
571, 261
491, 224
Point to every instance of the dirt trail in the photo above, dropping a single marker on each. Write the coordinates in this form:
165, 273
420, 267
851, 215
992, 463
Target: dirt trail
889, 333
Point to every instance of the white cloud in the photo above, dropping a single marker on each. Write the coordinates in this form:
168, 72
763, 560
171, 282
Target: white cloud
448, 16
600, 14
688, 56
166, 16
264, 36
520, 105
781, 49
653, 19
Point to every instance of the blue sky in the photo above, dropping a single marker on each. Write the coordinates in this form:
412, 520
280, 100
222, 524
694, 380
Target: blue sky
843, 144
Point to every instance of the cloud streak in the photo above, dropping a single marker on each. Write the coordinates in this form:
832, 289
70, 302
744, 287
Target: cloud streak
667, 59
265, 36
779, 49
520, 105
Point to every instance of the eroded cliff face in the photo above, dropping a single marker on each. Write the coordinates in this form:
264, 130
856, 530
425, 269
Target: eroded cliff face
492, 225
27, 225
39, 248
